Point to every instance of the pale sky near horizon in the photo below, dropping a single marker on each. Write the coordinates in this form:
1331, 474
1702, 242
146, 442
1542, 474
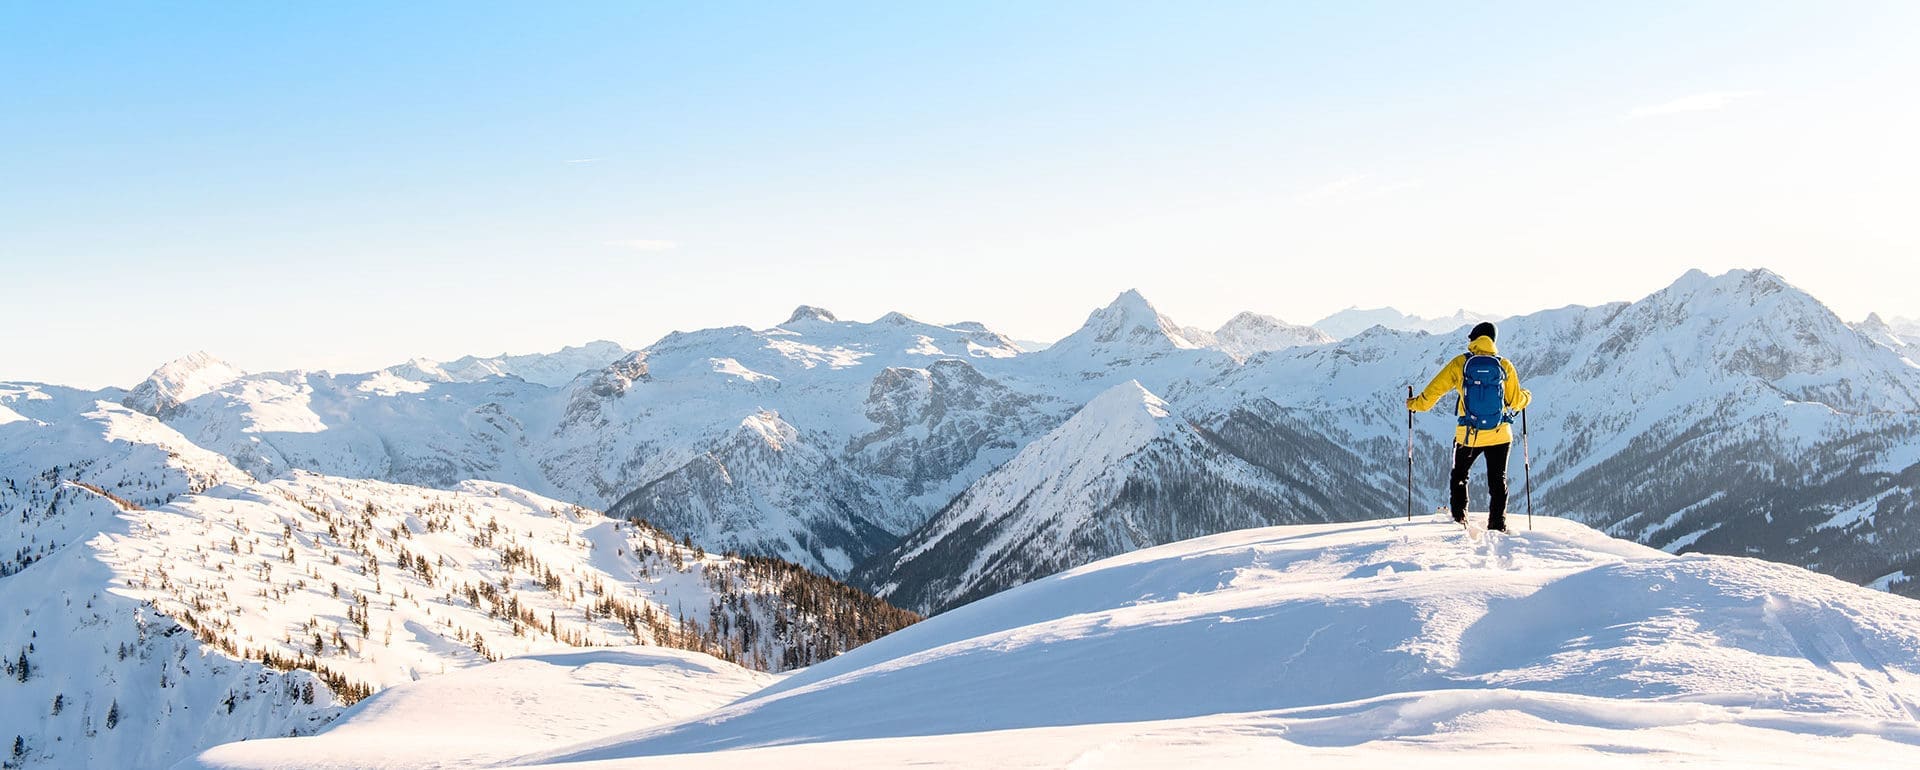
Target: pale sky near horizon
349, 185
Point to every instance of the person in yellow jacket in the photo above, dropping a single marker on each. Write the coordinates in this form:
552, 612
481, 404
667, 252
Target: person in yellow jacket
1470, 444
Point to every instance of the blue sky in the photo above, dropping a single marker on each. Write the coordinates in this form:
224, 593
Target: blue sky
347, 185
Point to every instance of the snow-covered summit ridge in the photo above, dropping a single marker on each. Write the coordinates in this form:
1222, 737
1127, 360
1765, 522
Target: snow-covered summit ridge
806, 313
1754, 324
1357, 643
180, 380
1355, 320
1249, 333
550, 369
1126, 403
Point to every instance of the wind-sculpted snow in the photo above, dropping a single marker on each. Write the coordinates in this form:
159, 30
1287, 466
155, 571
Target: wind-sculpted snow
1372, 639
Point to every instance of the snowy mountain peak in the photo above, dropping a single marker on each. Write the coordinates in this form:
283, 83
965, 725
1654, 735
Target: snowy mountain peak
805, 313
767, 427
1249, 333
1759, 293
179, 381
550, 369
1129, 323
1355, 320
1129, 399
1880, 332
1752, 327
1748, 284
1131, 302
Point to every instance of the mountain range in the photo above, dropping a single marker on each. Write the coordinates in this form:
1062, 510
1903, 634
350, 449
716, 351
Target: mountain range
1355, 320
260, 520
852, 447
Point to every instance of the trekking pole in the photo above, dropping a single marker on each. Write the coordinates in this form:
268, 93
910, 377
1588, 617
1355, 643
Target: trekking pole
1526, 462
1409, 455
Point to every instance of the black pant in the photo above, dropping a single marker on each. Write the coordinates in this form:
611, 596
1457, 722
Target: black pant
1463, 457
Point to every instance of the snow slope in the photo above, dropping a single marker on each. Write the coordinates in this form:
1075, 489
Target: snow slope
488, 715
1374, 643
160, 600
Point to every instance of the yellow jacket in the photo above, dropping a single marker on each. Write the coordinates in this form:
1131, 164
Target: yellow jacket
1450, 379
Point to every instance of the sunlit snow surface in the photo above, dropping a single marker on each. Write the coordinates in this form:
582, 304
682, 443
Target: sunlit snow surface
1347, 645
485, 717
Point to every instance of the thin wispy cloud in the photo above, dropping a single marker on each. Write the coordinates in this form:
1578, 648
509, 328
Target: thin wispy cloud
645, 244
1701, 102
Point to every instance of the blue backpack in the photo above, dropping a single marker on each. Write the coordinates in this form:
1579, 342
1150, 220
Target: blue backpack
1483, 391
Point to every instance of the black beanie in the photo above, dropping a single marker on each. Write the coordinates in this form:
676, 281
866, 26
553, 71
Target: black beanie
1482, 329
